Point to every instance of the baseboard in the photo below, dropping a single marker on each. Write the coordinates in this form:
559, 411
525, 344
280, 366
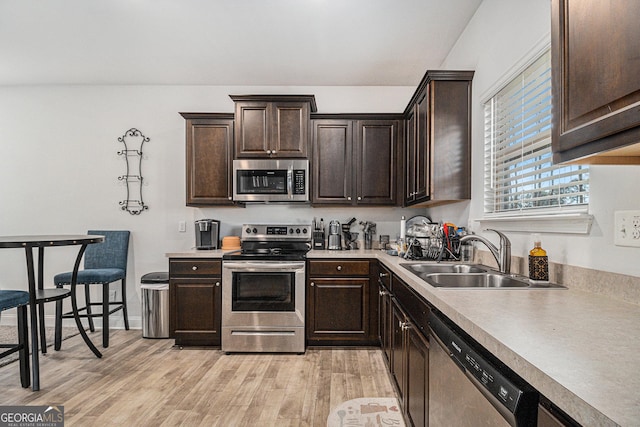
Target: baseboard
135, 322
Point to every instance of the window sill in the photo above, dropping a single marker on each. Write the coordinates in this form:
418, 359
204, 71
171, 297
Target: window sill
569, 223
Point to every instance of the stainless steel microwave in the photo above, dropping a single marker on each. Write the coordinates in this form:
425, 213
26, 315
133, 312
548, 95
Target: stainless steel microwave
271, 180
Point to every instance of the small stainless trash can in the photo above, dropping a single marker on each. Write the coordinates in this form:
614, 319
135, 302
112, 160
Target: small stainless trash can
155, 305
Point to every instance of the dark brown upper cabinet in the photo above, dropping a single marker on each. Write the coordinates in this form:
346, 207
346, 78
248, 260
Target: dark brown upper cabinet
209, 153
438, 140
355, 159
272, 125
595, 59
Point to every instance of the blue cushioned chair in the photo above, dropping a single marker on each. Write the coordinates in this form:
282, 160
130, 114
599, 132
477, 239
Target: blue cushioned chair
19, 300
104, 263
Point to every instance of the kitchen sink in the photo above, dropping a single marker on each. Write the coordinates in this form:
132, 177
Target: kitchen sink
475, 280
471, 276
430, 268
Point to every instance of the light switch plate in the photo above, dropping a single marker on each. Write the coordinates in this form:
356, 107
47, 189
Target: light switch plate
627, 228
182, 226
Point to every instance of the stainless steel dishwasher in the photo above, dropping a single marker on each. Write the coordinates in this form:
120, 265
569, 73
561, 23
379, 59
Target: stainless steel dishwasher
466, 388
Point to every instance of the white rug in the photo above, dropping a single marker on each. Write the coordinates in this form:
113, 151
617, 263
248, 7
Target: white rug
367, 412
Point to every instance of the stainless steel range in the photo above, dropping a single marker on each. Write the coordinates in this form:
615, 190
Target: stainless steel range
263, 290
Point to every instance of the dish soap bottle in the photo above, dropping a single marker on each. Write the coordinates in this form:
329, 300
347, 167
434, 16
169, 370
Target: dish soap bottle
538, 262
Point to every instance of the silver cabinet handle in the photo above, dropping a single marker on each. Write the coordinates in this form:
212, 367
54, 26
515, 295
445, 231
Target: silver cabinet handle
194, 268
217, 283
339, 268
383, 293
273, 151
312, 283
405, 326
349, 198
359, 198
384, 274
268, 151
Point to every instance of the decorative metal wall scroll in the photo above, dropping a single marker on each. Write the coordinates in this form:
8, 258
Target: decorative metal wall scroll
133, 140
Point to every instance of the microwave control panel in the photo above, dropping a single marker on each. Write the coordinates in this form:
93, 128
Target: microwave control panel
299, 184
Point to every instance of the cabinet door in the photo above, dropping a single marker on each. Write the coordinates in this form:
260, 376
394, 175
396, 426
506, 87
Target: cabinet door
398, 359
376, 162
384, 326
417, 392
338, 309
209, 159
417, 151
596, 90
252, 129
422, 168
289, 129
410, 159
449, 141
195, 311
332, 161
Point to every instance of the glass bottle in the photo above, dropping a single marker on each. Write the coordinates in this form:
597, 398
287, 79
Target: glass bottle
538, 262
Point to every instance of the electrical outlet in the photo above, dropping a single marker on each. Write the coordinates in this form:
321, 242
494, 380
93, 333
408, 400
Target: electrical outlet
627, 228
182, 226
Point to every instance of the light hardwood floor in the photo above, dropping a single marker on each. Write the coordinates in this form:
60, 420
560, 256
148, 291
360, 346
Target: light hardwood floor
143, 382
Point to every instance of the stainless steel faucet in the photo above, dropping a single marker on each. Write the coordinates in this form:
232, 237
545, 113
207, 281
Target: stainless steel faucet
502, 255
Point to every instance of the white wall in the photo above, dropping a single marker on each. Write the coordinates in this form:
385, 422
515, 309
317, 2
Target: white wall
59, 168
500, 34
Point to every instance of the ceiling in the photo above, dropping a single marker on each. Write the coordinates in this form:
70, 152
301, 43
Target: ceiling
227, 42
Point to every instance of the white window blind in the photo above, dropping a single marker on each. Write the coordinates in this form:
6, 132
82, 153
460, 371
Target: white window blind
520, 177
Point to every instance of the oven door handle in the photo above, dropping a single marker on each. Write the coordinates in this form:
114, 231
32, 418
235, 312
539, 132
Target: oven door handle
249, 266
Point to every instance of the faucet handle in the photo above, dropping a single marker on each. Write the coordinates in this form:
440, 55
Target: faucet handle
503, 238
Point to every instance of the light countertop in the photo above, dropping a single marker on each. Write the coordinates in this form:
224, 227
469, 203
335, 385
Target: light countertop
579, 349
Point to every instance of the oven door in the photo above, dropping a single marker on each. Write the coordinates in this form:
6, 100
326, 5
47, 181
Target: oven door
263, 293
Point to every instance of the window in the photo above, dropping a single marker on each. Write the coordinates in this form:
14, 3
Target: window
520, 177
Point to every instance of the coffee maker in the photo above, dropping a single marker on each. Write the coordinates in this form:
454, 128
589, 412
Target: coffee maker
335, 238
207, 233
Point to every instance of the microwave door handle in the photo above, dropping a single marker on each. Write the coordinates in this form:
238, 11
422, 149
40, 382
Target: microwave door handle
290, 182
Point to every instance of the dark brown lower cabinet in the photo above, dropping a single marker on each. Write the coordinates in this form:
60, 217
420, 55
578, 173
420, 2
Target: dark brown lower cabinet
398, 349
341, 303
384, 311
195, 301
402, 338
417, 390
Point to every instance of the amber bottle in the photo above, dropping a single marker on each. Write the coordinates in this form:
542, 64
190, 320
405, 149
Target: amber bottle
538, 262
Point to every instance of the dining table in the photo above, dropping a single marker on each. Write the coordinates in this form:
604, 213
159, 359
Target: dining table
38, 294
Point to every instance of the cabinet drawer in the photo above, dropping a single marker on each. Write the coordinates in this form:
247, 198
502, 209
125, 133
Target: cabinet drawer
194, 267
339, 268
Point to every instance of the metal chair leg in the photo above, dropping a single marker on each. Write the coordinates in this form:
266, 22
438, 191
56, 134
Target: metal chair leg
43, 332
23, 340
57, 341
124, 304
87, 299
105, 315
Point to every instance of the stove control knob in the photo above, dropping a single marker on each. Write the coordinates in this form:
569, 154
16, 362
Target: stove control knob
291, 231
297, 231
248, 230
255, 230
304, 231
